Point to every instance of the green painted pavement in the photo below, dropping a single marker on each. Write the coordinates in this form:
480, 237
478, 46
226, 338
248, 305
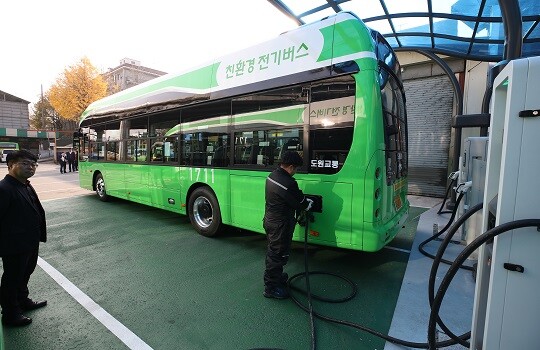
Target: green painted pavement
178, 290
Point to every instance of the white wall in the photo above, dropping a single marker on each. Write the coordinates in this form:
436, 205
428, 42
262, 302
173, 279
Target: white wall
475, 85
473, 94
407, 57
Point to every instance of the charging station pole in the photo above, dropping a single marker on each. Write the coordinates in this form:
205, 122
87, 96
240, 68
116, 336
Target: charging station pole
506, 311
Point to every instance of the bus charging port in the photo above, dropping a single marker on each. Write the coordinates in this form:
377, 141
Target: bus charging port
317, 202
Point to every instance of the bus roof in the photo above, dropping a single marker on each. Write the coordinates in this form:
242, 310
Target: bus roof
337, 39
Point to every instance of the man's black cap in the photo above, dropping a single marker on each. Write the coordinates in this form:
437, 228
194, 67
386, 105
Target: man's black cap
291, 158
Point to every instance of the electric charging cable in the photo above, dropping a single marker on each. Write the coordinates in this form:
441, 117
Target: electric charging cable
438, 234
307, 218
453, 178
435, 266
483, 238
435, 301
309, 309
462, 188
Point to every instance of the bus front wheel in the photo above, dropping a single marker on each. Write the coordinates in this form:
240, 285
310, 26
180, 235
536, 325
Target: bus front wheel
204, 212
100, 188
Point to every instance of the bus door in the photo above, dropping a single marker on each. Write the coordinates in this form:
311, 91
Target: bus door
164, 178
136, 172
114, 169
109, 151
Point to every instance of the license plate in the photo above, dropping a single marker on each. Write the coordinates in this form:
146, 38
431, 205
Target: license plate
397, 202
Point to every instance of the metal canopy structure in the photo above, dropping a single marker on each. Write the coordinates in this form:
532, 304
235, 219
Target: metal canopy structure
460, 28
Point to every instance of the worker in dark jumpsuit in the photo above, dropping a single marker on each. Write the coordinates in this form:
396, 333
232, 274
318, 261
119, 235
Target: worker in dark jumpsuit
283, 198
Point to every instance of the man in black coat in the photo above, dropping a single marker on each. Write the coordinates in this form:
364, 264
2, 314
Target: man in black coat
283, 199
22, 227
71, 160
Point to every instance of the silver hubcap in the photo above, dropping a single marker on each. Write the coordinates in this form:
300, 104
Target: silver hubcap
100, 187
203, 212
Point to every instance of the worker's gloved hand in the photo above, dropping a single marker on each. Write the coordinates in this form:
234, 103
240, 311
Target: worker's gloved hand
310, 203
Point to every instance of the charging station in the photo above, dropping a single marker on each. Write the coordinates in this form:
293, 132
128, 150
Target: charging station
472, 169
506, 311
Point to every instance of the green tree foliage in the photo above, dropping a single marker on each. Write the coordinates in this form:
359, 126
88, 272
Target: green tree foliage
77, 87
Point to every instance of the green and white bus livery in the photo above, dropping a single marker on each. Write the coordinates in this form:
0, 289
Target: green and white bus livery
202, 142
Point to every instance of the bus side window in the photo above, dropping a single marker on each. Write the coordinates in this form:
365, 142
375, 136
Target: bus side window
170, 149
220, 155
290, 145
329, 149
252, 148
157, 152
243, 147
265, 147
247, 154
164, 150
331, 119
266, 152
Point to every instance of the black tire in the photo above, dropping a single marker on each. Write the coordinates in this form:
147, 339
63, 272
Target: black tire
100, 188
204, 213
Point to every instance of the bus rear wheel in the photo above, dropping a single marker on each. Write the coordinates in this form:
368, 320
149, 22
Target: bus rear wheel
100, 188
204, 213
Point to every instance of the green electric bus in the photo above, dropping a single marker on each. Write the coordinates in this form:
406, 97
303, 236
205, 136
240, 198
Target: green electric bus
202, 142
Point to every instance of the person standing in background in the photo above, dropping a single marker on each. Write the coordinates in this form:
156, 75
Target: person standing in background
22, 227
63, 161
71, 160
76, 161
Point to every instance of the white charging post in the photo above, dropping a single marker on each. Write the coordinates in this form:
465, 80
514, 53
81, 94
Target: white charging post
506, 312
